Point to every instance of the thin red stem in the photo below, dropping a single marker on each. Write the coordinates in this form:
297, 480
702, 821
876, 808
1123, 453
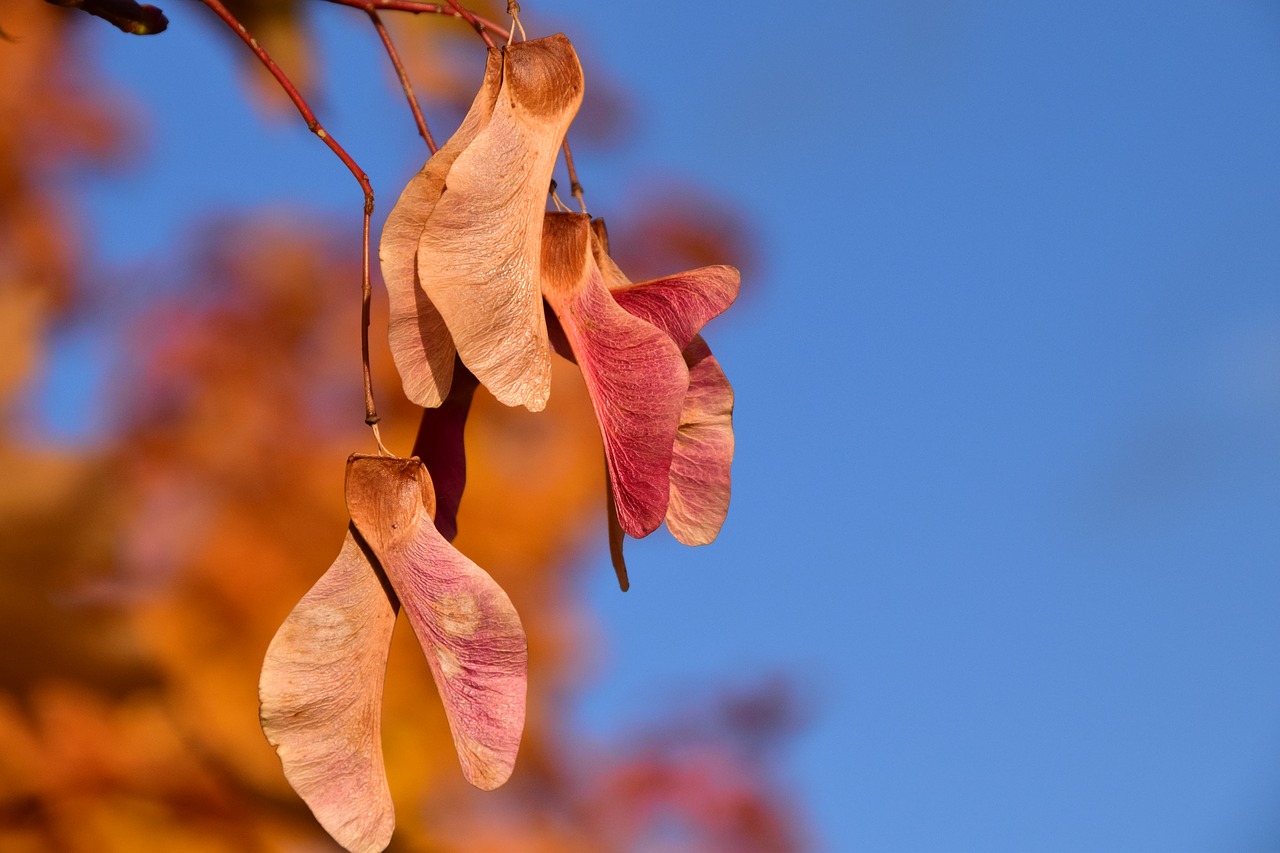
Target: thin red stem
371, 411
470, 18
366, 296
483, 26
404, 80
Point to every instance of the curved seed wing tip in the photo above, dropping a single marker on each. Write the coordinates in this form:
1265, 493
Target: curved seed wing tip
419, 340
703, 454
634, 372
679, 304
417, 334
479, 254
321, 695
683, 303
600, 244
617, 538
465, 623
614, 277
476, 647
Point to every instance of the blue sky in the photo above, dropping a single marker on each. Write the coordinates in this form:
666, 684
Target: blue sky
1007, 495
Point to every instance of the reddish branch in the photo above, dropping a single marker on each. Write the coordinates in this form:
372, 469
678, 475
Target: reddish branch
404, 80
470, 18
370, 410
483, 26
371, 7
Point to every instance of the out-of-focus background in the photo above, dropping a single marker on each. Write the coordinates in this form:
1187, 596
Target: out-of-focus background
1002, 567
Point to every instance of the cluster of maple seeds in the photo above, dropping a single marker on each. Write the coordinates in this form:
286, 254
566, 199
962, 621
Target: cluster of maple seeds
484, 282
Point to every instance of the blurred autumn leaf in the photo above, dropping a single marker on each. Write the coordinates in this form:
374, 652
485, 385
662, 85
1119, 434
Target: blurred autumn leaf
141, 579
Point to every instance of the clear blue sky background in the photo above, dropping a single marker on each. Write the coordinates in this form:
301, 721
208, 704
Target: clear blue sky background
1007, 498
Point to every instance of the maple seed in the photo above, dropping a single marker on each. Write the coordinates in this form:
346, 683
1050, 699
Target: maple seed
322, 680
681, 305
420, 342
634, 372
466, 625
321, 695
479, 254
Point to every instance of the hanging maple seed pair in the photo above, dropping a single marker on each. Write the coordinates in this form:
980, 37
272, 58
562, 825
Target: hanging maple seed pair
321, 685
470, 257
483, 284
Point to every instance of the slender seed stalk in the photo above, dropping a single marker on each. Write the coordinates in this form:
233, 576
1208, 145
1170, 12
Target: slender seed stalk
394, 56
370, 409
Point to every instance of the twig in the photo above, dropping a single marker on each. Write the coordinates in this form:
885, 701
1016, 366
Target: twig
574, 186
470, 18
482, 25
404, 80
370, 410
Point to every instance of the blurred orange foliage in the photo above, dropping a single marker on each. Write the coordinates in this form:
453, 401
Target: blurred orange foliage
141, 580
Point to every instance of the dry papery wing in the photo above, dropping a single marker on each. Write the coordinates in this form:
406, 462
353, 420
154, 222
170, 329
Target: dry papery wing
634, 373
321, 699
703, 456
465, 623
420, 341
700, 472
479, 254
679, 304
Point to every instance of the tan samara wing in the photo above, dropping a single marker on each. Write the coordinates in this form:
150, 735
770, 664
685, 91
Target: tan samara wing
465, 623
419, 339
321, 700
479, 255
